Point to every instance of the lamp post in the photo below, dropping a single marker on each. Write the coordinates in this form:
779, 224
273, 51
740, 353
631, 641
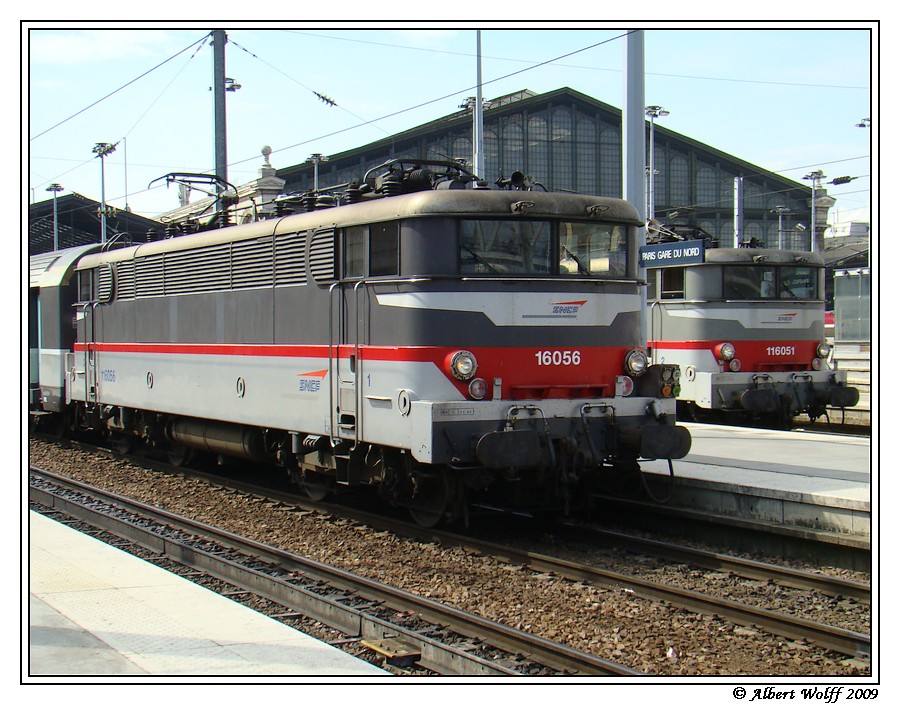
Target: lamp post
103, 150
653, 112
316, 159
780, 211
816, 177
55, 188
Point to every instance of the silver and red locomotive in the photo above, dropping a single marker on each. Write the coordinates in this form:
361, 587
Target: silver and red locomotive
746, 328
446, 342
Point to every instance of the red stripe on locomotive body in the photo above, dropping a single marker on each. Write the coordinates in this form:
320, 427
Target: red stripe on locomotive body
524, 373
756, 355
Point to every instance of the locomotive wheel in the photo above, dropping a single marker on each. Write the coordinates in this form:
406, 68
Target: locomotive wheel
179, 455
313, 486
123, 443
429, 501
314, 489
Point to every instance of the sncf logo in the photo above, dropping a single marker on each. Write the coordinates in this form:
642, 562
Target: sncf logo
311, 381
567, 308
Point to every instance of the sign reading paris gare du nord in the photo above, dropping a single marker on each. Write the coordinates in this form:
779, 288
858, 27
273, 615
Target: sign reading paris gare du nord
670, 253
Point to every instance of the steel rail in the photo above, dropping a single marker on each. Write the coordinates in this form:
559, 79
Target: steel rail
744, 567
329, 610
835, 638
842, 640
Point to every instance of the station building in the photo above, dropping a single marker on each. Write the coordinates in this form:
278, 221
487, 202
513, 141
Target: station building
569, 141
77, 222
564, 140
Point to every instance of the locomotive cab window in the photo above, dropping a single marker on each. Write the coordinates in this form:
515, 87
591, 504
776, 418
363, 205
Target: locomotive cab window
749, 282
384, 249
672, 283
504, 247
798, 282
85, 285
354, 252
770, 282
377, 257
592, 249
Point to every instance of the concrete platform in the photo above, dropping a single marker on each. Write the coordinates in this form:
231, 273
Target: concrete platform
801, 480
97, 611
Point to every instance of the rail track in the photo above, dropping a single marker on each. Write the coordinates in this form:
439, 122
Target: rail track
437, 637
854, 644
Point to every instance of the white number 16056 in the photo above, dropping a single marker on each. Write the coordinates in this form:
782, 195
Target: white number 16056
558, 357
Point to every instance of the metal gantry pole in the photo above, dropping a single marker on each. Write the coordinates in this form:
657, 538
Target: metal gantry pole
738, 209
780, 211
220, 140
55, 188
103, 150
816, 177
478, 126
633, 153
653, 112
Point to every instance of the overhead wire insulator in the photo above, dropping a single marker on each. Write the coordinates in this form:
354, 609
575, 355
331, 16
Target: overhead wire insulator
325, 99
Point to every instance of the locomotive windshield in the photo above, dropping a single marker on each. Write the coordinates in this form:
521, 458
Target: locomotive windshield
592, 249
770, 282
532, 247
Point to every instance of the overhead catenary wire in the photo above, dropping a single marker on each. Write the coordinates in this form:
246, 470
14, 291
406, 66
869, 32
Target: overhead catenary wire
794, 84
448, 95
122, 87
332, 103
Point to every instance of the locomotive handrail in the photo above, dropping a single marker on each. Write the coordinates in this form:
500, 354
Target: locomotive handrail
739, 301
357, 370
653, 338
551, 278
332, 416
782, 302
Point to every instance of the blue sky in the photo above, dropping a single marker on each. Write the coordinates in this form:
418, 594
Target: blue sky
786, 98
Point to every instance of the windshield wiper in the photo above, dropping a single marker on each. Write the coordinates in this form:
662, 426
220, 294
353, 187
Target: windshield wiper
478, 258
581, 268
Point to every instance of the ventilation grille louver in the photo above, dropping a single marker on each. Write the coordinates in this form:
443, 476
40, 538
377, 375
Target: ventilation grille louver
321, 256
229, 266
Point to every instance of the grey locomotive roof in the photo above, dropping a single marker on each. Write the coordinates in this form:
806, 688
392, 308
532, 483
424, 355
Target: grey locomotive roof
51, 268
749, 255
476, 202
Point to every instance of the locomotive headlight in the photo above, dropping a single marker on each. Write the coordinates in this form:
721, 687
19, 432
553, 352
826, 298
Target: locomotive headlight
636, 362
463, 365
823, 350
725, 351
478, 388
734, 365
